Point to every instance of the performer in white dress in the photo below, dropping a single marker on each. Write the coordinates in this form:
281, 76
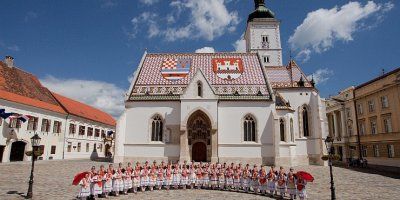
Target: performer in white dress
168, 176
262, 181
301, 188
118, 185
136, 178
246, 177
152, 177
291, 186
192, 176
271, 177
108, 181
206, 176
229, 178
221, 178
144, 178
184, 176
128, 183
236, 178
160, 177
199, 178
214, 177
176, 178
96, 183
281, 183
84, 184
254, 179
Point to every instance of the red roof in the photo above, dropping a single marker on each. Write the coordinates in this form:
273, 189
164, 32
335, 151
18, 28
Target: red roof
82, 110
286, 76
22, 87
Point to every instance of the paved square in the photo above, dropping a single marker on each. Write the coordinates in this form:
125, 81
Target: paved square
53, 181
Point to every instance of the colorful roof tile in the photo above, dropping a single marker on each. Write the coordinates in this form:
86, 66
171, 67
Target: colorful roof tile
286, 76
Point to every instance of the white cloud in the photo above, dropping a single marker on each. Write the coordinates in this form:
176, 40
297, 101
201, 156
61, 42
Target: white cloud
203, 21
109, 3
321, 75
13, 48
149, 2
102, 95
205, 50
322, 27
240, 44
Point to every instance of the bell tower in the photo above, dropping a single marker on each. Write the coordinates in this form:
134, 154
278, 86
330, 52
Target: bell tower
263, 36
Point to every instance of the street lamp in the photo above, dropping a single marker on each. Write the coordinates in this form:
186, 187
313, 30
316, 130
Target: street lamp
35, 140
329, 146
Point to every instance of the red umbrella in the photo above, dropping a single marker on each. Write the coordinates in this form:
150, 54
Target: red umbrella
79, 177
306, 176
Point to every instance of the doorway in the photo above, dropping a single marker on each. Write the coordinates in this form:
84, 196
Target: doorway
17, 151
199, 152
2, 147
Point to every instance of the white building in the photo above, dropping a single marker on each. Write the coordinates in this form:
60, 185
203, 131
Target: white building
259, 112
51, 116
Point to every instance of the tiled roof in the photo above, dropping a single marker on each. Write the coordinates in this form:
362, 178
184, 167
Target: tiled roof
286, 76
22, 87
82, 110
151, 81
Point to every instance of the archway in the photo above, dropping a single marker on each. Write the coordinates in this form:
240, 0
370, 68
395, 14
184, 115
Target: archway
17, 151
199, 136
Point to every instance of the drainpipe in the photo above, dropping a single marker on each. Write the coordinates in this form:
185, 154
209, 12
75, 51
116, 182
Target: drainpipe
358, 133
65, 135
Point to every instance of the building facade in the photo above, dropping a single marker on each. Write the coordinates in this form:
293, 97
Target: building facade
50, 116
371, 117
224, 107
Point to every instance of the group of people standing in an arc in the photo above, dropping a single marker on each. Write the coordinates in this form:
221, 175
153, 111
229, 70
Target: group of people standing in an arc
214, 176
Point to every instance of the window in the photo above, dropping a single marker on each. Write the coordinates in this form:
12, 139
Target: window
72, 128
362, 127
82, 130
45, 125
96, 132
282, 129
41, 148
249, 126
266, 59
387, 124
390, 149
371, 105
103, 134
306, 129
291, 130
87, 147
265, 41
79, 147
348, 112
199, 89
376, 150
364, 150
53, 150
101, 147
89, 131
57, 127
373, 126
385, 102
94, 147
32, 123
69, 147
359, 109
156, 129
15, 122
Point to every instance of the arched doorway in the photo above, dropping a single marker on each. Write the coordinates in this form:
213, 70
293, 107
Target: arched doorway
199, 136
17, 151
199, 152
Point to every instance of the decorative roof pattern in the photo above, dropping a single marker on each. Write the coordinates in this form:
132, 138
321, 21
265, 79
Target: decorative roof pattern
286, 76
151, 82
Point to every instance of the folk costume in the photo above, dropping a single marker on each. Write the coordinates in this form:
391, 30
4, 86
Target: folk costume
199, 177
291, 186
97, 185
301, 188
221, 178
262, 180
136, 179
84, 187
236, 179
176, 179
168, 177
152, 178
229, 178
214, 178
118, 183
281, 184
246, 176
271, 177
144, 178
160, 178
254, 179
184, 177
206, 177
108, 182
192, 176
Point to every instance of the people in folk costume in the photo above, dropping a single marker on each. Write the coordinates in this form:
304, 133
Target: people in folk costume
199, 176
184, 176
128, 183
282, 183
118, 185
229, 178
136, 177
254, 179
152, 177
236, 178
221, 177
84, 187
101, 177
271, 177
160, 177
108, 181
301, 188
291, 185
96, 183
246, 177
262, 181
144, 178
192, 176
206, 176
214, 177
168, 176
176, 176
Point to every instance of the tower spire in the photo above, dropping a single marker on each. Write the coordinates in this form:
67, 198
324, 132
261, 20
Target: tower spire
258, 3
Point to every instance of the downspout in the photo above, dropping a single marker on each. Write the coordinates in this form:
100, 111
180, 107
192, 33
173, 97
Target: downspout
358, 133
65, 137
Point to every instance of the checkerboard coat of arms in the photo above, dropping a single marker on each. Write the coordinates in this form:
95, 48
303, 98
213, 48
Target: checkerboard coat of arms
227, 68
175, 68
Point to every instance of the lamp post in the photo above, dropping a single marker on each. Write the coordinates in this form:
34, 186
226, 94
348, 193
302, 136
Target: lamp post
35, 140
329, 146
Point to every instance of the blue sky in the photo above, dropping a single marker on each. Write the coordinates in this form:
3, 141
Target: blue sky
89, 49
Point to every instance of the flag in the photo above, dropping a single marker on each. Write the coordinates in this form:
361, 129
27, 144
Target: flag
5, 115
24, 118
110, 133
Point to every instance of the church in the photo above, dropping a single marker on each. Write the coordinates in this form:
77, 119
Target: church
224, 107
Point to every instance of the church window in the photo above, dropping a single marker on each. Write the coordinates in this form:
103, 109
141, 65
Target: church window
249, 126
265, 42
282, 129
291, 130
199, 89
156, 129
306, 128
266, 59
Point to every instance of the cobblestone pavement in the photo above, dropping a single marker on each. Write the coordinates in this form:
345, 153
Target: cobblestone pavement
53, 181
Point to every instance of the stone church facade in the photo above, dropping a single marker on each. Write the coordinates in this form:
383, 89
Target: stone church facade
224, 107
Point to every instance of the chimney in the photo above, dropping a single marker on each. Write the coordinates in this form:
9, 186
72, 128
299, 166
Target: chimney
9, 60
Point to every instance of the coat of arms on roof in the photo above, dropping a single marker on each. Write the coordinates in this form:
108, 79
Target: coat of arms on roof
175, 68
227, 68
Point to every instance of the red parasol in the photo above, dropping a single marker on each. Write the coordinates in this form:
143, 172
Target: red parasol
306, 176
79, 177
